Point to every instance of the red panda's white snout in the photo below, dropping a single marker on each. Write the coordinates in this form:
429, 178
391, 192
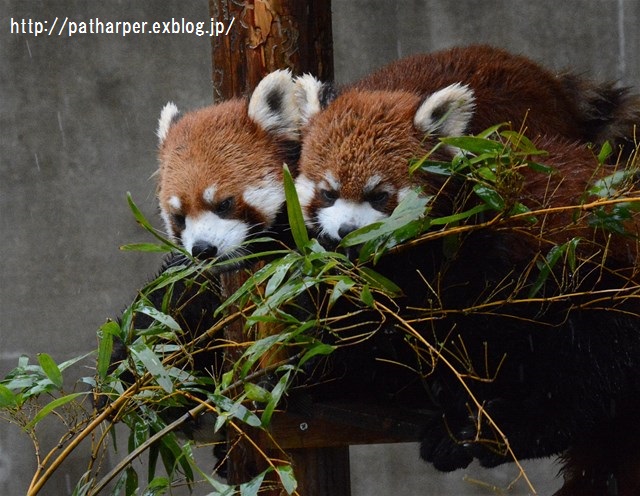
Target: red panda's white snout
220, 174
354, 166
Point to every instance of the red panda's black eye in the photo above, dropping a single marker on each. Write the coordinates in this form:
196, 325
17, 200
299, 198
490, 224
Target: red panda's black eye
224, 207
378, 198
179, 221
329, 196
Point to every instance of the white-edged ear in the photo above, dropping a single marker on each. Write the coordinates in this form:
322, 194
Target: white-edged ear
447, 112
273, 106
312, 96
168, 116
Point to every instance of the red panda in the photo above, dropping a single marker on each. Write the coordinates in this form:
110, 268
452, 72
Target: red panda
568, 362
454, 92
220, 173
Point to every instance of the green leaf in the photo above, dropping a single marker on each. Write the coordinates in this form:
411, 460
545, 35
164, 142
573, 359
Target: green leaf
51, 406
341, 286
153, 364
50, 368
541, 168
157, 486
276, 394
131, 486
435, 167
490, 196
294, 212
278, 276
455, 218
235, 409
317, 349
556, 253
605, 152
289, 482
520, 142
252, 487
159, 316
607, 186
366, 297
142, 220
105, 347
473, 144
256, 393
411, 208
147, 247
7, 398
380, 282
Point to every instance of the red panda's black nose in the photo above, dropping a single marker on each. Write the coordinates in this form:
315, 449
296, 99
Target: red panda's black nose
203, 250
345, 229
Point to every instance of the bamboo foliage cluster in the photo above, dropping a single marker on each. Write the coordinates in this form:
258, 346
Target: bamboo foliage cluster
295, 291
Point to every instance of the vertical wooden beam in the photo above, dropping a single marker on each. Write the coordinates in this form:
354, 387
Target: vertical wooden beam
265, 35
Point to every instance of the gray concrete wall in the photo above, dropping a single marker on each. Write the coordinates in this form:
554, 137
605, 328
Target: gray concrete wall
77, 122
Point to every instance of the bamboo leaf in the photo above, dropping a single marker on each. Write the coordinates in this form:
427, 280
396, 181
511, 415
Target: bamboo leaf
147, 247
366, 297
50, 407
276, 394
380, 282
252, 487
50, 368
490, 196
473, 144
7, 398
294, 212
289, 482
153, 364
159, 316
605, 152
105, 347
142, 220
318, 349
157, 486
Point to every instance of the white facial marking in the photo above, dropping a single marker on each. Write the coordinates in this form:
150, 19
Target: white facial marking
225, 234
167, 117
306, 190
372, 182
266, 198
402, 193
175, 203
453, 107
330, 182
346, 212
209, 194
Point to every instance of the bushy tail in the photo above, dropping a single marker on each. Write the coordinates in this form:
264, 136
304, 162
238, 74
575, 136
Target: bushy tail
609, 112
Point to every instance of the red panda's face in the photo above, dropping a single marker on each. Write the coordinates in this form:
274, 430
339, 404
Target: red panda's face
220, 179
220, 175
354, 165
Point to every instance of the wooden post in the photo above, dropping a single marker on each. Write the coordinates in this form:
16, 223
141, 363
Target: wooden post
267, 35
260, 37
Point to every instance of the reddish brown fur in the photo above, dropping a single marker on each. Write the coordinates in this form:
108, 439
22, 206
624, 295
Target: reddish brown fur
576, 169
508, 88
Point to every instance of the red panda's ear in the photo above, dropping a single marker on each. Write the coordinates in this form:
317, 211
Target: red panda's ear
169, 115
447, 112
273, 107
312, 96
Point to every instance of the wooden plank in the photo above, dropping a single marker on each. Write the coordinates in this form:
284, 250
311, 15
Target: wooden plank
339, 425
